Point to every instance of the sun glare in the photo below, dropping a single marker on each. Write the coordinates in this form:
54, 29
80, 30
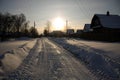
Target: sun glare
58, 24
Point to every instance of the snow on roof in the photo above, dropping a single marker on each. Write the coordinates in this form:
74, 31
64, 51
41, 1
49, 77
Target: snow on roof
111, 21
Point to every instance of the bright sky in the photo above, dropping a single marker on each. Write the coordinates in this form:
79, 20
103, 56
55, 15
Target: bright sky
77, 12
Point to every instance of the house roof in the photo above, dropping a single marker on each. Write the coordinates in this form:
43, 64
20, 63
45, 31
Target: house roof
111, 21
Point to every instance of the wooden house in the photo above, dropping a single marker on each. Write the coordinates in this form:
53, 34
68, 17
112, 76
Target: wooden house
105, 23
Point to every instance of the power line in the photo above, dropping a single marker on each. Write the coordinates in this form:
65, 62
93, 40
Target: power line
82, 5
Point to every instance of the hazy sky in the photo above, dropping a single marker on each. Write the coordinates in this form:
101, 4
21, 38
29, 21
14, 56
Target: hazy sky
77, 12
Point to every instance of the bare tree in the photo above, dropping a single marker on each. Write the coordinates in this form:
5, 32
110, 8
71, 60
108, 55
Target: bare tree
24, 29
33, 32
15, 26
20, 19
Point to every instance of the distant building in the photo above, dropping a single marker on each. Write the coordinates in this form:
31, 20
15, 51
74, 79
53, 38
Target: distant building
105, 23
57, 33
70, 31
87, 28
79, 31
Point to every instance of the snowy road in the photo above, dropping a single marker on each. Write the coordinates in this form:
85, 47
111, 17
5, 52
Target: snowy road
95, 58
47, 61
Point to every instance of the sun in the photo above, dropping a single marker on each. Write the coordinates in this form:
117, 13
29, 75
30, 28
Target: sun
58, 24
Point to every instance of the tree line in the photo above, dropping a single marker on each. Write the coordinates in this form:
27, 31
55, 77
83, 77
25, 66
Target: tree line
13, 26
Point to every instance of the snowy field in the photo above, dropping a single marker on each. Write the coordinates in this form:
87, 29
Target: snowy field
101, 58
106, 48
9, 45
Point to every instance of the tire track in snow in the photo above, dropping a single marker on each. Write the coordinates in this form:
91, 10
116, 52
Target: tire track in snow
47, 61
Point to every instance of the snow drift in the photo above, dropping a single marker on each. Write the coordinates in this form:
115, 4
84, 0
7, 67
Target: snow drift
98, 64
12, 59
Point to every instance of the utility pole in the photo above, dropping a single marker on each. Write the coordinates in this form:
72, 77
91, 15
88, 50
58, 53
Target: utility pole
66, 25
34, 28
34, 24
48, 26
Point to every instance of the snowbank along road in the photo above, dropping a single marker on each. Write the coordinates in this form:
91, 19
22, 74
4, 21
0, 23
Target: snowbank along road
9, 45
47, 61
95, 59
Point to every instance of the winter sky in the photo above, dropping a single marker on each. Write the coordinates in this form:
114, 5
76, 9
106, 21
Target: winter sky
77, 12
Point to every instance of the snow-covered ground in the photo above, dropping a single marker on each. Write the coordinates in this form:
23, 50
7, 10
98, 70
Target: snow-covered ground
14, 53
12, 44
47, 61
51, 59
112, 50
102, 58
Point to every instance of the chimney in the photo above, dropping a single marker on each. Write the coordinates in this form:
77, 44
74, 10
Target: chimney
108, 13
